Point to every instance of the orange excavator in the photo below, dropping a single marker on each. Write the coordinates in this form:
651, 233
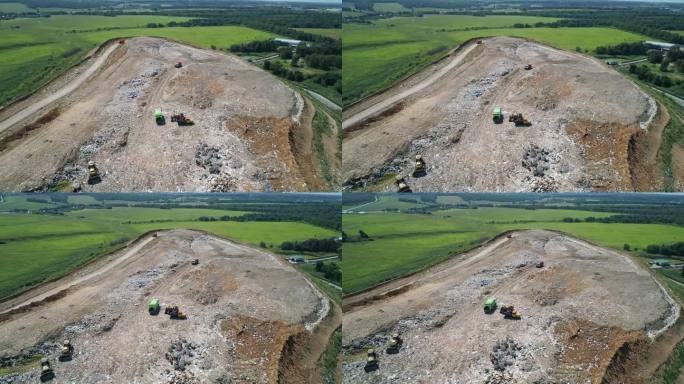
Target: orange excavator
181, 119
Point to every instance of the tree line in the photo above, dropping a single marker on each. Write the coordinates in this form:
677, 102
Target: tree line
330, 270
311, 245
676, 249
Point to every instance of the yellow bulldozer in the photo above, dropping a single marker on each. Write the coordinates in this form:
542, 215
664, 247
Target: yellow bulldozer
519, 120
67, 351
371, 361
394, 344
420, 168
46, 372
401, 184
93, 173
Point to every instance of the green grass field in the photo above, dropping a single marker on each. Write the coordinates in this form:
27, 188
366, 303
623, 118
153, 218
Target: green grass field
14, 8
33, 51
403, 243
377, 55
389, 7
36, 247
335, 33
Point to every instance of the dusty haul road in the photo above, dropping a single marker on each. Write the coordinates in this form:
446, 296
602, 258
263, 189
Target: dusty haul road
586, 317
251, 131
252, 318
592, 129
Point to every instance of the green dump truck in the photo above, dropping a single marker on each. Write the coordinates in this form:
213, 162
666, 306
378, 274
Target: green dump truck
159, 117
154, 307
490, 305
497, 115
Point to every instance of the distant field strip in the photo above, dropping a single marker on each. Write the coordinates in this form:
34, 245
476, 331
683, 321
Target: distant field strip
35, 50
403, 243
335, 33
376, 55
36, 248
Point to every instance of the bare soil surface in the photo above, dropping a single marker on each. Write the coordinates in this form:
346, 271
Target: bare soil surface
590, 126
584, 316
251, 131
251, 317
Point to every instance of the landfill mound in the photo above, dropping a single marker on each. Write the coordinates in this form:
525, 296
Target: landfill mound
250, 317
584, 127
582, 313
242, 129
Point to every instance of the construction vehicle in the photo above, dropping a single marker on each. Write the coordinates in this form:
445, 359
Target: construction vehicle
402, 186
175, 313
420, 168
490, 305
159, 117
371, 361
181, 119
497, 115
153, 307
67, 351
93, 173
519, 120
195, 262
528, 67
509, 312
540, 264
178, 65
394, 344
46, 372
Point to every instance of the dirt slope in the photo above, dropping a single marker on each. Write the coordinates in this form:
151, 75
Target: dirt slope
577, 314
587, 122
251, 317
252, 132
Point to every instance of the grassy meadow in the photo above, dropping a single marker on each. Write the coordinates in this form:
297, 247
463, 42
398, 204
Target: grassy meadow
33, 51
335, 33
38, 247
378, 54
403, 243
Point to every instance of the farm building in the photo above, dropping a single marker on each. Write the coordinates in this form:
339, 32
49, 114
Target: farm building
297, 259
658, 45
661, 263
290, 42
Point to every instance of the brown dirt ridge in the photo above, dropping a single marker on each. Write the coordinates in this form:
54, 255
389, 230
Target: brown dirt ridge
251, 132
251, 317
591, 128
587, 316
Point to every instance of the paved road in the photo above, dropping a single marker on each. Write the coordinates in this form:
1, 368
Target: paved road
633, 62
264, 59
362, 205
676, 99
77, 82
389, 102
324, 100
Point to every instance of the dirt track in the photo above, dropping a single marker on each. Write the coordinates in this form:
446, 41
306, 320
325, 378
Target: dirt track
251, 317
577, 313
251, 131
592, 129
